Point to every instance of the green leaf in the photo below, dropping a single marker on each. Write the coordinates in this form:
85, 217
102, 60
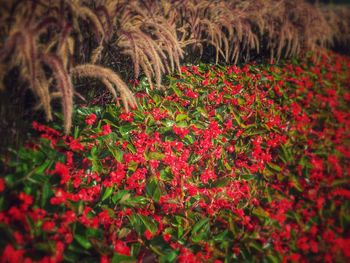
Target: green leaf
202, 111
71, 257
227, 166
287, 156
153, 190
126, 129
94, 232
107, 193
181, 117
274, 167
221, 182
170, 255
88, 110
182, 124
46, 191
238, 119
84, 242
123, 232
273, 259
261, 213
77, 249
169, 123
219, 117
116, 152
37, 178
156, 155
149, 223
12, 179
199, 225
221, 237
121, 196
157, 99
136, 223
176, 90
42, 168
118, 258
47, 247
189, 139
96, 164
256, 246
248, 177
339, 182
132, 166
131, 148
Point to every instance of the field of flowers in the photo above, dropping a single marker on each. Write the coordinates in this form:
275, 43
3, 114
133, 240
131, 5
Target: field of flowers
227, 163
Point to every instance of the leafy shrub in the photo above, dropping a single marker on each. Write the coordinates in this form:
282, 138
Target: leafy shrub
228, 163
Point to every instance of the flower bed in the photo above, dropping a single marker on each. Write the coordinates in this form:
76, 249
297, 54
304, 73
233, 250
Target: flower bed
229, 163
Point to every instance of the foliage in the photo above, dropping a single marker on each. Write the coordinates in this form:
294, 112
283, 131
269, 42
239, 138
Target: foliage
227, 163
47, 40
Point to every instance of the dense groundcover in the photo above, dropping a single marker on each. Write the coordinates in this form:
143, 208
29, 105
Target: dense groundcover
226, 164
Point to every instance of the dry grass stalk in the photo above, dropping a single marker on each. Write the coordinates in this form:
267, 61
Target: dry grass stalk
106, 75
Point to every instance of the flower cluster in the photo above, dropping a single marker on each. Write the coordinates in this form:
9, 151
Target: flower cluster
229, 163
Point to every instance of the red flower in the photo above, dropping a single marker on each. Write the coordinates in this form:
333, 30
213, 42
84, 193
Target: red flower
148, 234
15, 213
295, 257
106, 129
104, 259
26, 199
63, 171
186, 256
183, 69
116, 177
313, 246
128, 117
18, 237
59, 198
303, 244
342, 192
121, 248
48, 225
75, 145
182, 132
166, 237
205, 82
2, 185
158, 115
12, 255
231, 149
90, 119
343, 245
207, 175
